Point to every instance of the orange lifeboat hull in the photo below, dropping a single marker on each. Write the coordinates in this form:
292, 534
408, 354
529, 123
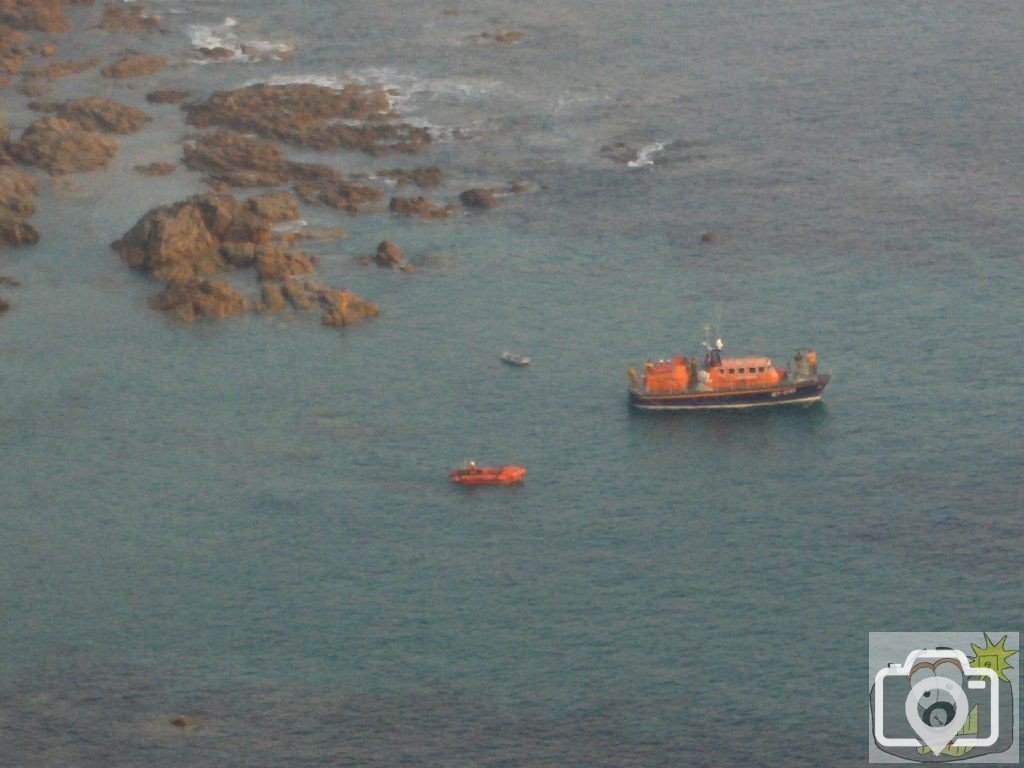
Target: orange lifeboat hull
507, 474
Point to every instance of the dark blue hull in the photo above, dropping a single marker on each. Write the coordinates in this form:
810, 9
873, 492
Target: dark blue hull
805, 391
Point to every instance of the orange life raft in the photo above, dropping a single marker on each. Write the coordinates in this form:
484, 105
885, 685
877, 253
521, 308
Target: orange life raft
500, 475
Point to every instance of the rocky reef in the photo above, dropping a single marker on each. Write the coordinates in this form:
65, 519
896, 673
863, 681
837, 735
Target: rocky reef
200, 249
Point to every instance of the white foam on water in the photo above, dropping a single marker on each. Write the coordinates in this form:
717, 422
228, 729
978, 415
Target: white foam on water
208, 37
645, 155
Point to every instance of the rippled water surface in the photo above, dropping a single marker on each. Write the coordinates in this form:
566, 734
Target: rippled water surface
249, 523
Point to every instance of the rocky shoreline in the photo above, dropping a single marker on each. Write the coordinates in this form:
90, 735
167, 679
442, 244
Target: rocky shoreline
236, 145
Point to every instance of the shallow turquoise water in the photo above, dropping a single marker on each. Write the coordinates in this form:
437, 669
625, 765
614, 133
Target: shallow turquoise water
254, 517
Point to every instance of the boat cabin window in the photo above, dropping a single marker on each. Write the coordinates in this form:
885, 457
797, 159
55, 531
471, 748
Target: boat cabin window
721, 370
732, 370
760, 369
740, 370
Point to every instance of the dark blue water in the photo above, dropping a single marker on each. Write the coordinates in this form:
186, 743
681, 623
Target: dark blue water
249, 523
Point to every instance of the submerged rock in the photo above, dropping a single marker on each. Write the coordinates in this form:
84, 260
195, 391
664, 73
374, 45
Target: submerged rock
478, 198
128, 19
135, 65
311, 116
240, 161
420, 207
166, 96
58, 69
156, 169
431, 176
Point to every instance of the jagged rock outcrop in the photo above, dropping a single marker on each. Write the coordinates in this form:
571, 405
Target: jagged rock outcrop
389, 255
187, 242
135, 65
62, 147
342, 307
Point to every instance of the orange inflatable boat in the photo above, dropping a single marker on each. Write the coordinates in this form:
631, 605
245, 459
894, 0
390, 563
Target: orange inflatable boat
471, 474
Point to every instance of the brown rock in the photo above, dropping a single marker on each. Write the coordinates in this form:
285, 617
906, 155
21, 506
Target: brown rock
342, 307
4, 306
275, 207
711, 238
62, 68
277, 264
166, 97
13, 50
388, 255
41, 15
135, 65
478, 198
156, 169
218, 53
98, 113
419, 206
9, 281
34, 87
16, 232
17, 194
241, 161
192, 299
239, 254
174, 242
62, 147
342, 195
296, 294
310, 233
271, 297
312, 116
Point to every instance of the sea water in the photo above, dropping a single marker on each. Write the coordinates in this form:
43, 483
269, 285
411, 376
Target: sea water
249, 522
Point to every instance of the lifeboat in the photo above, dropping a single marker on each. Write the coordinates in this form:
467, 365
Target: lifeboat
471, 474
726, 382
